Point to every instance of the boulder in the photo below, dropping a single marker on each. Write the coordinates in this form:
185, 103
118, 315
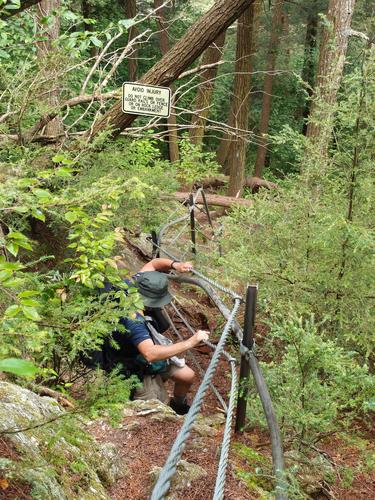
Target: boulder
55, 455
186, 473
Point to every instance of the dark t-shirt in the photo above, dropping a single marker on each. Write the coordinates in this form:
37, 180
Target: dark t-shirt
136, 332
125, 352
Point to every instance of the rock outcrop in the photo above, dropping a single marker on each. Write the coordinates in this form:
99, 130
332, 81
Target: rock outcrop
53, 454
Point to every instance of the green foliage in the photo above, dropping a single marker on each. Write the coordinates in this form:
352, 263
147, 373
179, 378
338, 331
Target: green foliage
310, 246
108, 393
313, 380
258, 473
54, 313
19, 367
195, 165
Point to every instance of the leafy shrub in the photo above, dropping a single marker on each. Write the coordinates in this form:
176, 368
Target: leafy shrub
313, 381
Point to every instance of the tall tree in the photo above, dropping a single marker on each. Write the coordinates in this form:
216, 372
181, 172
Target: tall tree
130, 8
164, 48
47, 34
239, 111
226, 141
308, 70
200, 35
211, 57
276, 28
332, 54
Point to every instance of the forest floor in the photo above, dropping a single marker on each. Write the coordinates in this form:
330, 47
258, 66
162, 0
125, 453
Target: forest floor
145, 443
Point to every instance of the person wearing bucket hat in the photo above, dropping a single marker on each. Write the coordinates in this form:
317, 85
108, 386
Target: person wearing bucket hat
141, 349
152, 285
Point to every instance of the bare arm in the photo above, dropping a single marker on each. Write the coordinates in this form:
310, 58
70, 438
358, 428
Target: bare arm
165, 265
152, 352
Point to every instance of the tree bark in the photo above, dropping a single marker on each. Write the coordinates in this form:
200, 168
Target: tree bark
241, 64
47, 61
212, 55
200, 35
308, 70
4, 13
130, 8
241, 97
331, 64
164, 48
267, 88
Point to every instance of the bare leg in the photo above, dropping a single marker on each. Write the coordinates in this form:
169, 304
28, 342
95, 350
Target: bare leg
183, 379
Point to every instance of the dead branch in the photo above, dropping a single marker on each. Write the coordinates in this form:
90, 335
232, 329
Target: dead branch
200, 68
46, 391
254, 183
212, 199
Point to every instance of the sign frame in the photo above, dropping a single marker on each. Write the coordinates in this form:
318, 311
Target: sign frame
141, 113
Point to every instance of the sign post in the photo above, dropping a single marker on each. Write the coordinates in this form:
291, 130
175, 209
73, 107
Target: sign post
149, 100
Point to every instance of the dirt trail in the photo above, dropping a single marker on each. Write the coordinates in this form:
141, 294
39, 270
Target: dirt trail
145, 443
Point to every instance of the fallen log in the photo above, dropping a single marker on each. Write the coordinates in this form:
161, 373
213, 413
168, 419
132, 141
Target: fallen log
254, 183
212, 199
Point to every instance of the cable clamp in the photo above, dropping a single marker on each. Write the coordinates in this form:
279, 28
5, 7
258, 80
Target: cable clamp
245, 351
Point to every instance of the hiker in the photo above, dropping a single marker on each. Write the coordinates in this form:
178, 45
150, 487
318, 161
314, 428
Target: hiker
142, 350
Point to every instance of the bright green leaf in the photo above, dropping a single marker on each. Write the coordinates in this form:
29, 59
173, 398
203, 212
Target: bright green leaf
30, 313
5, 275
96, 41
38, 214
29, 302
71, 217
28, 293
12, 311
12, 248
20, 367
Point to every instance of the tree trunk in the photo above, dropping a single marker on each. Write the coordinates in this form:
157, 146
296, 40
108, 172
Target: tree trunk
45, 49
331, 64
130, 8
87, 13
240, 102
267, 88
308, 70
200, 35
164, 48
227, 139
205, 90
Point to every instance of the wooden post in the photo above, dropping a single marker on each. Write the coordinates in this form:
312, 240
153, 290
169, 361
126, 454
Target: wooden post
155, 248
192, 223
247, 341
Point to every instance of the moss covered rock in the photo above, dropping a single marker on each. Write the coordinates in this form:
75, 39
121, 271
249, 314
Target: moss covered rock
56, 456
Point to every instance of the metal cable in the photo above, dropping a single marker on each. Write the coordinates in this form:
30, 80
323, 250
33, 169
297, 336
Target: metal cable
191, 330
222, 468
197, 365
169, 469
223, 463
210, 281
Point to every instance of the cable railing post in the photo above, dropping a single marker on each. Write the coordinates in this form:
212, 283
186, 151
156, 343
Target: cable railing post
155, 246
192, 223
247, 341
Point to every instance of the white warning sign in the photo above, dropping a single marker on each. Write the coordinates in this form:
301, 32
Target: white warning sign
138, 99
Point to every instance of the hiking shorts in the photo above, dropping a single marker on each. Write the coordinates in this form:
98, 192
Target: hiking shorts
153, 385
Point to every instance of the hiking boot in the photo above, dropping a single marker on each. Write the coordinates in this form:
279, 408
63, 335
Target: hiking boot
179, 408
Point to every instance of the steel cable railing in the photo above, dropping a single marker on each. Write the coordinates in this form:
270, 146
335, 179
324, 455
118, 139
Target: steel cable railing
169, 469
